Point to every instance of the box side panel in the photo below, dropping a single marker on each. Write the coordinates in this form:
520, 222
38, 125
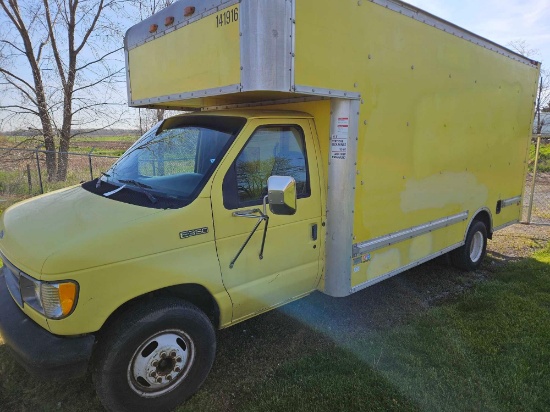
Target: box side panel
444, 124
201, 55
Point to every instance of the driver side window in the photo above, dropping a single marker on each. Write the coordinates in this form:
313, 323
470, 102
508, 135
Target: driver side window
270, 151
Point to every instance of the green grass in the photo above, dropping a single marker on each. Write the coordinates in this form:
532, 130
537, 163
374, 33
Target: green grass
486, 349
13, 176
14, 184
544, 157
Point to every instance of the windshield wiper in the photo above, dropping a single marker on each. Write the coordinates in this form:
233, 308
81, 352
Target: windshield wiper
134, 183
98, 183
144, 188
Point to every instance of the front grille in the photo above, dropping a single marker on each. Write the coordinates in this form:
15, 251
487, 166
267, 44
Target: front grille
12, 275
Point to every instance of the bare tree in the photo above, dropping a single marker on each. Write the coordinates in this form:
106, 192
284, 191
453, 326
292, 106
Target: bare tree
543, 89
60, 67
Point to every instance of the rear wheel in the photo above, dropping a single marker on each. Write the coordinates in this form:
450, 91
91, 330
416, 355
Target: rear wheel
470, 256
155, 357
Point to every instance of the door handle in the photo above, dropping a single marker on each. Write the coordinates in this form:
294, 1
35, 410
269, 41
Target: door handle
314, 231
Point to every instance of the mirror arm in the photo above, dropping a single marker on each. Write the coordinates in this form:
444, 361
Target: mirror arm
252, 214
266, 219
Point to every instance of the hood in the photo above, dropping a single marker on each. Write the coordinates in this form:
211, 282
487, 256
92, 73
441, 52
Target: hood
69, 230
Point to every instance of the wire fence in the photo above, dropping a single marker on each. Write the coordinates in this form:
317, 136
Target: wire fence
23, 171
536, 204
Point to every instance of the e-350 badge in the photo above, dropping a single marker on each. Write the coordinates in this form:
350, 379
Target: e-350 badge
193, 232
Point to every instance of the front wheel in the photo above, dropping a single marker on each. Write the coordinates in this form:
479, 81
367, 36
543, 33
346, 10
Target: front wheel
470, 256
155, 357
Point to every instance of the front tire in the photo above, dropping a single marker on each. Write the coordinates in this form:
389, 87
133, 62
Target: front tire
470, 256
154, 357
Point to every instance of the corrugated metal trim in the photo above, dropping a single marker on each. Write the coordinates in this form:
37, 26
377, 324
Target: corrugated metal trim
216, 91
319, 91
393, 238
340, 195
266, 45
403, 268
510, 202
264, 103
293, 46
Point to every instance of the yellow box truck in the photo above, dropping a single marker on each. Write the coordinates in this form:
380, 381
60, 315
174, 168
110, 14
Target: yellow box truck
330, 145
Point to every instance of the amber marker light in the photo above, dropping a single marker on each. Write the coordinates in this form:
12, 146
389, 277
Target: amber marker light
169, 20
153, 28
188, 11
67, 297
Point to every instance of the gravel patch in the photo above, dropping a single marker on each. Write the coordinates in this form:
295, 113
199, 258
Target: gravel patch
518, 241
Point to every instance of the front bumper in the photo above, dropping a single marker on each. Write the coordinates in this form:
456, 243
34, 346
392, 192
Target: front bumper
36, 349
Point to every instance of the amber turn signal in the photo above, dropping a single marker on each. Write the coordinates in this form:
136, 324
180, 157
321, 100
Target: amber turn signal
169, 20
67, 297
153, 28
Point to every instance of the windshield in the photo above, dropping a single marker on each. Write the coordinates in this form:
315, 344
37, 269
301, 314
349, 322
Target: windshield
173, 160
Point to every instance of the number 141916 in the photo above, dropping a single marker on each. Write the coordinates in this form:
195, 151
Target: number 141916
227, 17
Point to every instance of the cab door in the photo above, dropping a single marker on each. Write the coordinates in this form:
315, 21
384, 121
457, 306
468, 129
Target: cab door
289, 267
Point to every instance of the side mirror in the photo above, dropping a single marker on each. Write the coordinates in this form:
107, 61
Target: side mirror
281, 195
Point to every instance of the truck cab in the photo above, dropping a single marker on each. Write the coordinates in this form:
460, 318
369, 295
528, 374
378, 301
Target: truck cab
181, 215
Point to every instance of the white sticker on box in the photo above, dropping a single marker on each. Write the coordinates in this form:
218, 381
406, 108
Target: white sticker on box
339, 147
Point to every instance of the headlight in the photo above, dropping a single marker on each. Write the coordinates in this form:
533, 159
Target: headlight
53, 300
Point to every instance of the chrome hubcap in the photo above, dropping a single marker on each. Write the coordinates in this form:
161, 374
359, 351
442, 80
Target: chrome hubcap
476, 247
160, 363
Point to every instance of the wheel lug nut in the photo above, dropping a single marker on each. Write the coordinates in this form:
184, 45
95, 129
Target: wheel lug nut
159, 380
169, 378
172, 354
178, 359
176, 369
163, 355
153, 374
155, 364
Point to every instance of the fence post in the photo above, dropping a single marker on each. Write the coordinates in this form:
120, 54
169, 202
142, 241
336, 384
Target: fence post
537, 151
90, 162
39, 171
29, 178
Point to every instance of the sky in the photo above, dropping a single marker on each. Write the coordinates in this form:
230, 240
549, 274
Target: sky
501, 21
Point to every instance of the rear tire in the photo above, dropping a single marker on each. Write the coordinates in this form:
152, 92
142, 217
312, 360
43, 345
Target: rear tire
155, 357
470, 256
